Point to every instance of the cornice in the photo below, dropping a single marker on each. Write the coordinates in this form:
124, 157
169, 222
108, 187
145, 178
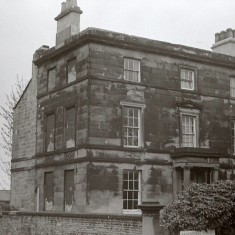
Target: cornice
124, 41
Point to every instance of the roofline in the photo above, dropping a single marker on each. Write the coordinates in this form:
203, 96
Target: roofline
22, 94
125, 41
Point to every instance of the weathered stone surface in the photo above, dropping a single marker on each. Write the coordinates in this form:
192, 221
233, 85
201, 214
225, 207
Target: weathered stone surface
98, 156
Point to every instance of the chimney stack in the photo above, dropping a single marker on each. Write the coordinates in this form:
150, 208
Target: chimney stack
225, 42
68, 21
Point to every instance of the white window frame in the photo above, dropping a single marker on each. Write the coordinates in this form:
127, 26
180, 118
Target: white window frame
193, 113
127, 190
232, 87
127, 128
186, 79
130, 68
140, 108
186, 133
233, 136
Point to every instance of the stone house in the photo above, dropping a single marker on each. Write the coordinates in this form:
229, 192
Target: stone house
109, 120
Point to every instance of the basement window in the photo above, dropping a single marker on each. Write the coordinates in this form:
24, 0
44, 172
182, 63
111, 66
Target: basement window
187, 79
132, 70
131, 190
50, 133
70, 127
68, 190
71, 70
48, 191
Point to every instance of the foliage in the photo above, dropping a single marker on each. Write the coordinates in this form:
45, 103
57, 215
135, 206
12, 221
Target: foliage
203, 207
6, 131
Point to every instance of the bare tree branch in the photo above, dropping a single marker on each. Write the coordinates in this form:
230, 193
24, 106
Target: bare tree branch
6, 131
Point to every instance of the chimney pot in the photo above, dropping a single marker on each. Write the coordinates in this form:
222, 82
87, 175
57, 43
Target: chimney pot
222, 35
68, 21
229, 33
71, 3
225, 42
217, 37
63, 6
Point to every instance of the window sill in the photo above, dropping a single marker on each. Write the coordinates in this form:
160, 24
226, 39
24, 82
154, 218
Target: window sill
188, 90
132, 212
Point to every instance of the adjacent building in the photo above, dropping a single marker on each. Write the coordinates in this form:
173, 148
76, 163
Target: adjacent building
109, 120
4, 200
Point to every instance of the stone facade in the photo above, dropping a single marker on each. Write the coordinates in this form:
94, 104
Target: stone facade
98, 94
109, 121
24, 145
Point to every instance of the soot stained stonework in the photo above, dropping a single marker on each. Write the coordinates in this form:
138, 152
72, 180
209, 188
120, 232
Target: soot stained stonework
103, 106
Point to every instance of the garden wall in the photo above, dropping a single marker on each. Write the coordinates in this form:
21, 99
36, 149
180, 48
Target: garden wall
22, 223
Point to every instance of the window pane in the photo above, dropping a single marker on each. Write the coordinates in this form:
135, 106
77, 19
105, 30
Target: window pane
129, 205
135, 141
232, 87
136, 175
135, 134
136, 185
131, 195
187, 79
131, 69
135, 195
125, 204
188, 131
131, 126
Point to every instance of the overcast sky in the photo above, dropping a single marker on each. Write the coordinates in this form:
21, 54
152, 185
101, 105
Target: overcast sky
26, 25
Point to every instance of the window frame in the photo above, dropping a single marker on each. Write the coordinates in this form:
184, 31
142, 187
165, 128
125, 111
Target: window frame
194, 113
46, 131
44, 190
75, 125
185, 80
67, 70
132, 70
139, 191
193, 134
48, 72
73, 191
231, 88
140, 108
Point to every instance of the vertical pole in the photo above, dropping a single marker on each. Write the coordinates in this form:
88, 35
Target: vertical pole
150, 218
186, 177
215, 174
